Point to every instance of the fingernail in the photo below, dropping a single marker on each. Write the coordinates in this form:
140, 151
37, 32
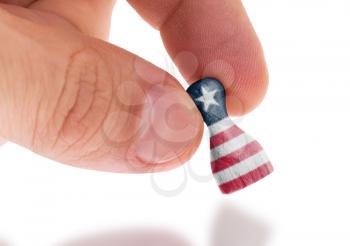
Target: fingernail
173, 126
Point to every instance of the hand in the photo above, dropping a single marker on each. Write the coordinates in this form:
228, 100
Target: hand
67, 94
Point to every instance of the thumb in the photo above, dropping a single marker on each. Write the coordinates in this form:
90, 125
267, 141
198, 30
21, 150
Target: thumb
87, 103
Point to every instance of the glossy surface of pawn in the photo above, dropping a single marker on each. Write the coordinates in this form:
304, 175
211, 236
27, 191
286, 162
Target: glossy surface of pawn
237, 160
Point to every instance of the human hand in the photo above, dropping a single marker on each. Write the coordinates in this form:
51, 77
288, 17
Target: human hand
67, 94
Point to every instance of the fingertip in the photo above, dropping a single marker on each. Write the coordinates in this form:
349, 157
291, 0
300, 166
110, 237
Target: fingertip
245, 80
212, 39
248, 91
174, 129
217, 40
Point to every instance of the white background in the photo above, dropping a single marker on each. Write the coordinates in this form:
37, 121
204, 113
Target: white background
303, 124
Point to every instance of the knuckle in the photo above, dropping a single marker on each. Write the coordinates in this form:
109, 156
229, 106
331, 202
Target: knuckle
83, 103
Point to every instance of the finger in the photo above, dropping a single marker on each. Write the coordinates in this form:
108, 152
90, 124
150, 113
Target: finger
212, 39
92, 17
78, 12
84, 102
23, 3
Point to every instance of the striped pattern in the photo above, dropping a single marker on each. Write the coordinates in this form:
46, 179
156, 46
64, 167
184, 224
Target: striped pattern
237, 160
220, 126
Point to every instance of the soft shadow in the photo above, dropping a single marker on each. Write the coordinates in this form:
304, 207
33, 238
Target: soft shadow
235, 227
3, 243
132, 237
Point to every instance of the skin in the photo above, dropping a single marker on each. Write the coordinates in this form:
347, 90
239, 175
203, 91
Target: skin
68, 94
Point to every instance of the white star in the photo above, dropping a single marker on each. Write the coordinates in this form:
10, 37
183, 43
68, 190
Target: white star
208, 98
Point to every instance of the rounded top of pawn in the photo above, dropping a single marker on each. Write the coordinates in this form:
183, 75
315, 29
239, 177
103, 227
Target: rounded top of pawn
209, 96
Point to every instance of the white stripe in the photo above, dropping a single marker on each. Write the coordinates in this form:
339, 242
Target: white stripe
230, 146
220, 126
241, 168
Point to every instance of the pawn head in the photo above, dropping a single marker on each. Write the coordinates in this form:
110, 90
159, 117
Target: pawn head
209, 96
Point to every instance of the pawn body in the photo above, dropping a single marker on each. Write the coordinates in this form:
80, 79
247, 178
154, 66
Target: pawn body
237, 160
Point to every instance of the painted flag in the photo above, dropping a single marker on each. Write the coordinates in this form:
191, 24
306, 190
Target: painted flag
237, 160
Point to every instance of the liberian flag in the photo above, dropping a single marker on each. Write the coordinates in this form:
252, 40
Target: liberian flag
237, 160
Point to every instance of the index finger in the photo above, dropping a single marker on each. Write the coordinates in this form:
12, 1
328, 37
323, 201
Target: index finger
212, 39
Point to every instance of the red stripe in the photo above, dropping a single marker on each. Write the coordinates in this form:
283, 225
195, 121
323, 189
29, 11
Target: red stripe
224, 136
235, 157
247, 179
